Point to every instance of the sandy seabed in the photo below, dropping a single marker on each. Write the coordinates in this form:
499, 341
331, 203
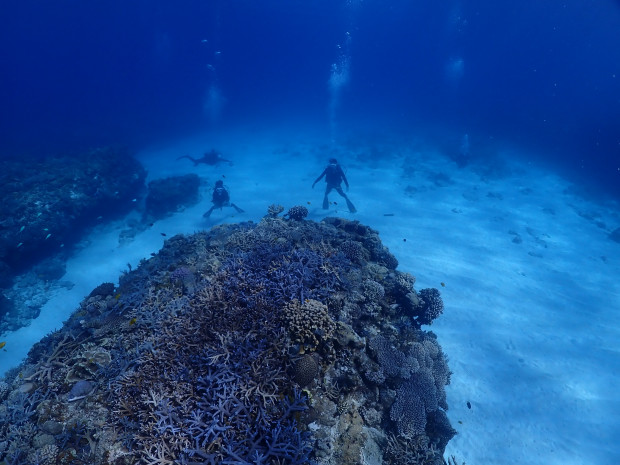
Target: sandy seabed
527, 272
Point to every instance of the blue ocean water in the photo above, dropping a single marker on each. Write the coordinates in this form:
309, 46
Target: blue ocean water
543, 75
400, 81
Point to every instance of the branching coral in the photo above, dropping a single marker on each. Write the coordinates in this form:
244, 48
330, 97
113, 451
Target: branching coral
195, 358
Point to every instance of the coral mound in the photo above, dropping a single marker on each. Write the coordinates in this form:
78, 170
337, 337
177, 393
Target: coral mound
251, 344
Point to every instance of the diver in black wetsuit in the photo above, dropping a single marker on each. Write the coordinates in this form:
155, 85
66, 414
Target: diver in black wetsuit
220, 199
333, 177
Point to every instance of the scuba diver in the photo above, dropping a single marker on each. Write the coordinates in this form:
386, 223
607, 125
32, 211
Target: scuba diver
220, 199
333, 177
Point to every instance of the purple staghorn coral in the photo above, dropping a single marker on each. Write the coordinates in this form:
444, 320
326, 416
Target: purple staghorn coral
203, 349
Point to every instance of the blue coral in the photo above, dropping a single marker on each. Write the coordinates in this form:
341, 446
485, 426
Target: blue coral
414, 399
393, 362
248, 427
280, 274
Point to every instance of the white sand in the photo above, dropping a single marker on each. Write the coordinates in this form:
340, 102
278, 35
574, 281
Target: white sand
530, 328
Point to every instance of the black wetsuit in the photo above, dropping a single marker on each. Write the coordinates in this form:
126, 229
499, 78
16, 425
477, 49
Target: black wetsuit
221, 198
333, 177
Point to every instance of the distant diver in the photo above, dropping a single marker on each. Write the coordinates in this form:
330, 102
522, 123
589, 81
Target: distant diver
220, 198
333, 177
211, 158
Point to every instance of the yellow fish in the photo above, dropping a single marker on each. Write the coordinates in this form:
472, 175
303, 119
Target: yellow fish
2, 344
132, 321
442, 284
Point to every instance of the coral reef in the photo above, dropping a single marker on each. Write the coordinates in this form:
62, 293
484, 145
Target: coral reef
430, 306
167, 195
274, 210
297, 213
248, 344
47, 202
309, 322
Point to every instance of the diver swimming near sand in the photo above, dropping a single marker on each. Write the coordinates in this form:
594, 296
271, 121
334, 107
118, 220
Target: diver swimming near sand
334, 176
221, 198
211, 158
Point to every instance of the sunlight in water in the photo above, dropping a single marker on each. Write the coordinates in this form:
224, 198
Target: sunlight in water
338, 79
214, 102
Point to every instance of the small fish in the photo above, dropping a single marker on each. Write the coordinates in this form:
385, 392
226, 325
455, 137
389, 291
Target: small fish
133, 321
22, 228
442, 284
117, 296
153, 254
388, 214
2, 344
309, 203
163, 234
460, 422
335, 203
469, 405
46, 229
405, 239
48, 236
19, 245
134, 200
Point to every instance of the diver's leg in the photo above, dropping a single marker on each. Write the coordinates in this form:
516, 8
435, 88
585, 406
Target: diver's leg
325, 199
208, 213
350, 205
239, 210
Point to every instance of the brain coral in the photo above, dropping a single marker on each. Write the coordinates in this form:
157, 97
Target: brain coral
305, 370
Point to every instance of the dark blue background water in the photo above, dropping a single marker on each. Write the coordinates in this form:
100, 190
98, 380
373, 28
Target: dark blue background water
545, 75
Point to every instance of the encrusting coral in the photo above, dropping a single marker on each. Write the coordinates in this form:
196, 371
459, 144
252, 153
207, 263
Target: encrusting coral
248, 344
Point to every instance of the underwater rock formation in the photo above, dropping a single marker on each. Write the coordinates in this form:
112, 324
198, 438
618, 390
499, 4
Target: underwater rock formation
47, 202
167, 195
249, 344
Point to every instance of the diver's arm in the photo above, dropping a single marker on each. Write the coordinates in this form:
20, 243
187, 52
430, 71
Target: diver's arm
320, 177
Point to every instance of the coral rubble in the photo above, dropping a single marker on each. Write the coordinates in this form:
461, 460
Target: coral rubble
282, 342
